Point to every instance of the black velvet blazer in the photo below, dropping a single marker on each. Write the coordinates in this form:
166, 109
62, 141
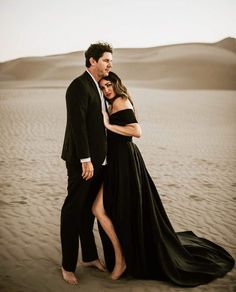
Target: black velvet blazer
85, 133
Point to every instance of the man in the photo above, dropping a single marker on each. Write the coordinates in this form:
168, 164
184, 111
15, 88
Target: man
84, 151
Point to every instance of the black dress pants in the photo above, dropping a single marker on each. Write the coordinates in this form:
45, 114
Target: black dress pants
77, 219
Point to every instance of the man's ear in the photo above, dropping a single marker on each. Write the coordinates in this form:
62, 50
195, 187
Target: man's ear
92, 61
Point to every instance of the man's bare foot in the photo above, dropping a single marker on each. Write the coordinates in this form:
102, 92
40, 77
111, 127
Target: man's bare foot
96, 264
69, 277
118, 270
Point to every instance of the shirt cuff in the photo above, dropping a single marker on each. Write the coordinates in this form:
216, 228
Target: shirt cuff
85, 160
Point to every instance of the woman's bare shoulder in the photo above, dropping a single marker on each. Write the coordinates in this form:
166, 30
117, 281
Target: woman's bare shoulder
121, 103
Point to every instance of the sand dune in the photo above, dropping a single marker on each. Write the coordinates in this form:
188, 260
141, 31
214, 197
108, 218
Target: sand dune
196, 65
228, 44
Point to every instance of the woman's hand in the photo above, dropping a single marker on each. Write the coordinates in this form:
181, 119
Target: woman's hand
106, 119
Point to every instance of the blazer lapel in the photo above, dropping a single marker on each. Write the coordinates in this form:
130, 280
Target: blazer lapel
91, 81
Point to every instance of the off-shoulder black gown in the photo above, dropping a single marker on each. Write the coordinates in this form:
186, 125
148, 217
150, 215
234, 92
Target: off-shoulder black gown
152, 249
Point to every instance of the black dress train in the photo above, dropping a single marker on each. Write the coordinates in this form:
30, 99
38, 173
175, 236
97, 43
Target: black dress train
152, 249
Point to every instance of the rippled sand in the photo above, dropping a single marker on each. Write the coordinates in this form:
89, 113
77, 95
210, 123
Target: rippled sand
188, 144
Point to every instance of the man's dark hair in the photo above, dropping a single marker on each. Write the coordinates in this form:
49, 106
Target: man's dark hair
96, 51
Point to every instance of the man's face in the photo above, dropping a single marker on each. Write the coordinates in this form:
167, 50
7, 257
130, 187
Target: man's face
104, 65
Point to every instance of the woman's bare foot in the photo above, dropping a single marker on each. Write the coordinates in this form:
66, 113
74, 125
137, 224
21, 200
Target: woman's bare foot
69, 277
118, 270
96, 264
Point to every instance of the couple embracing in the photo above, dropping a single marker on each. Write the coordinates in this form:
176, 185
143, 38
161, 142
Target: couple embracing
108, 179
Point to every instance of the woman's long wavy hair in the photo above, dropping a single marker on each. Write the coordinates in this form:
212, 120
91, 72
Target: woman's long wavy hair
118, 86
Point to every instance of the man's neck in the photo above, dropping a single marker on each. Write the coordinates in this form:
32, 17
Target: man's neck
93, 73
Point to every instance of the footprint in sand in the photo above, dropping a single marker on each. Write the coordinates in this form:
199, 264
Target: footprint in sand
2, 203
173, 185
195, 198
19, 202
208, 185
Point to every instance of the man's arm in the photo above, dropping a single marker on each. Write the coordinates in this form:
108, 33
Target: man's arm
77, 104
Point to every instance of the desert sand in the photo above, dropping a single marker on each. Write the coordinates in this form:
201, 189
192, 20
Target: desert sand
188, 144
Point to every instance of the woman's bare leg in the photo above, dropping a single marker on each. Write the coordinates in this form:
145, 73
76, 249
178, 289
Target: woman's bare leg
99, 212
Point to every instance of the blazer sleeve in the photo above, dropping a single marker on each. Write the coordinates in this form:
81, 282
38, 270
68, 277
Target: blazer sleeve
77, 99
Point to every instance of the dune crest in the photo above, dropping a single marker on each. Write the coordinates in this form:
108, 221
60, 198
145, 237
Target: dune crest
181, 66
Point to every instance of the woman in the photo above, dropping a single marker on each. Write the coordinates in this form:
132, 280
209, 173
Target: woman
139, 236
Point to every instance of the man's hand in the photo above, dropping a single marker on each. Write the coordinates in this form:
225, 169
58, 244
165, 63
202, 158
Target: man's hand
87, 170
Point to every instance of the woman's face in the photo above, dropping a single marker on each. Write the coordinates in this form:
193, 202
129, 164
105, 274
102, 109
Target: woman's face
107, 89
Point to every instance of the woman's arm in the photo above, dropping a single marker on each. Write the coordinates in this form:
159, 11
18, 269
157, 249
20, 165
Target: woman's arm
133, 129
